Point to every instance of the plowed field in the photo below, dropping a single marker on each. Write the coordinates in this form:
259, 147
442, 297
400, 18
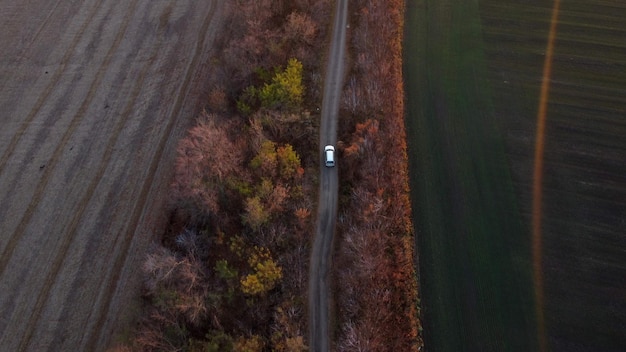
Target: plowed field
93, 96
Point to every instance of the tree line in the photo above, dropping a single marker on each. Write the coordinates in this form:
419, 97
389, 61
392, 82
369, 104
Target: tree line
231, 270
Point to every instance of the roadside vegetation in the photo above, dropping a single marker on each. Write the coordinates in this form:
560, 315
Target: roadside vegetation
230, 272
376, 285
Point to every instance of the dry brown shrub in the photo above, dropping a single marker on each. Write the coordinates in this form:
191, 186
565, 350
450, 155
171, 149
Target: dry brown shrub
302, 214
218, 100
277, 198
300, 28
376, 249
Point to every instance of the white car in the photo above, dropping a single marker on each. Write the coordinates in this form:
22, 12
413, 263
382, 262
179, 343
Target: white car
329, 155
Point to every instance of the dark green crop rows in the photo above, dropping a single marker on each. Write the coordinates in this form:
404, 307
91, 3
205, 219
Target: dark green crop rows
472, 76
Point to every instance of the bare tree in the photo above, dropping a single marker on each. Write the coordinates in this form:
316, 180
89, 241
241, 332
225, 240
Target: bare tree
205, 157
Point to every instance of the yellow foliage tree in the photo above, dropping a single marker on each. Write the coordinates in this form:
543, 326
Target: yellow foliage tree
256, 215
265, 162
288, 162
286, 88
265, 273
253, 343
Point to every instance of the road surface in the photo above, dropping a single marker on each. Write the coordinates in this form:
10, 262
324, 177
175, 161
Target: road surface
93, 97
319, 288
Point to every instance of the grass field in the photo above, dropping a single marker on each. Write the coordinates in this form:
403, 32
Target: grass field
474, 278
472, 73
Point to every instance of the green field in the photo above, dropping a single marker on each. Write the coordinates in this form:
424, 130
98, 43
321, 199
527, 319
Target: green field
472, 75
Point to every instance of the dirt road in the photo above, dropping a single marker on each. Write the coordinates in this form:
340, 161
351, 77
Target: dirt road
93, 97
319, 288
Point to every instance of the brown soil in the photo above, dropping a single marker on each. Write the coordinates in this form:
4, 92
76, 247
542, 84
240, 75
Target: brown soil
94, 95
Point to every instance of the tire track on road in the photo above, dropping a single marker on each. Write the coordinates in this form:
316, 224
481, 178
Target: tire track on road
46, 93
127, 237
78, 117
